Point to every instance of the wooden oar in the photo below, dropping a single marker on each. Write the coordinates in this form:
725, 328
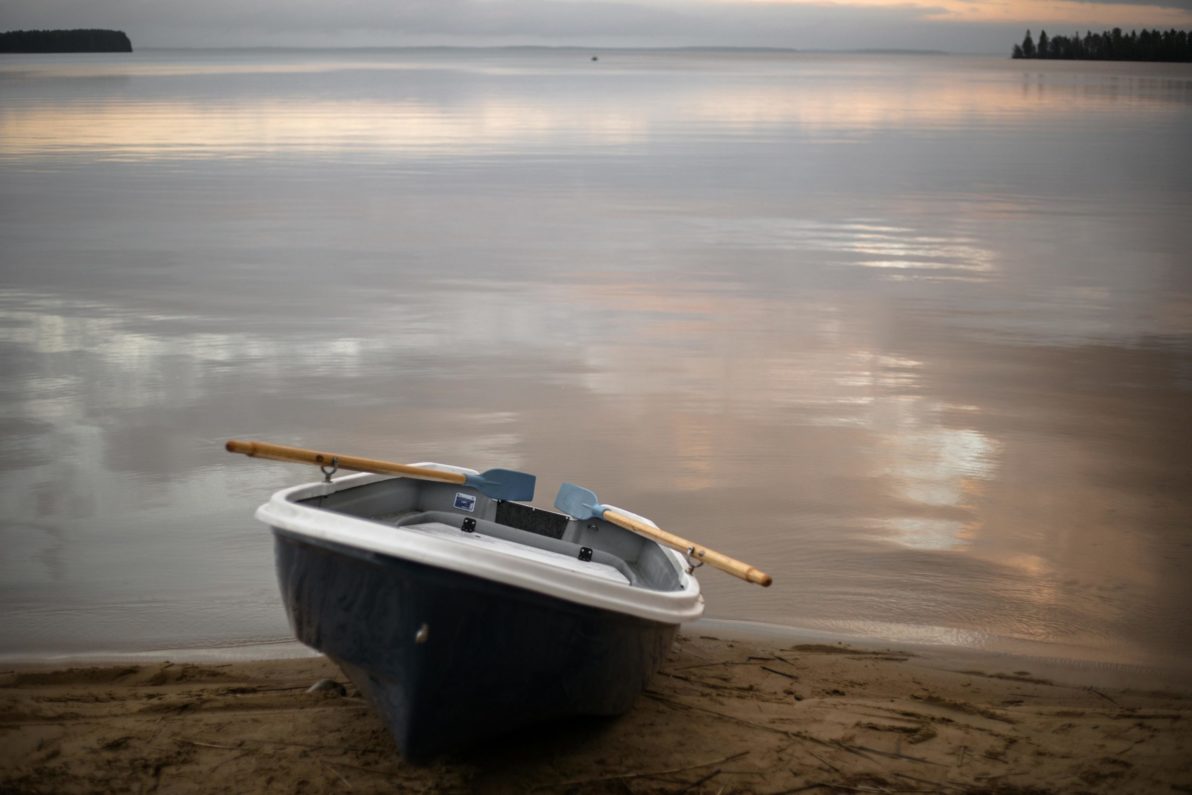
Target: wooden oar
582, 504
500, 484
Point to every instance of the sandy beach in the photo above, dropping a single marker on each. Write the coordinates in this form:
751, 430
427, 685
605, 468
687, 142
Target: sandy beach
722, 716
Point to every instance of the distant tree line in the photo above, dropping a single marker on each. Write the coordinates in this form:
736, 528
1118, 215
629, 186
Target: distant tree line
65, 41
1112, 45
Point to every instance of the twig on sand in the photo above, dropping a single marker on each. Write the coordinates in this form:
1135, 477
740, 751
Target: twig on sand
852, 749
890, 754
825, 762
1092, 689
711, 664
698, 782
1131, 746
644, 773
705, 683
780, 673
331, 767
926, 781
209, 745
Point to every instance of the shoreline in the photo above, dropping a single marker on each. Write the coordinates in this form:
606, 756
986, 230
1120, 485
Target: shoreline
1088, 669
1042, 656
723, 714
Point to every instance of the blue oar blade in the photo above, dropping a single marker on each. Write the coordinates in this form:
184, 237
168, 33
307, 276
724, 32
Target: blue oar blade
504, 484
579, 502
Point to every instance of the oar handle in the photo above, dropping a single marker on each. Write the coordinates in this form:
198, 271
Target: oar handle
281, 452
697, 551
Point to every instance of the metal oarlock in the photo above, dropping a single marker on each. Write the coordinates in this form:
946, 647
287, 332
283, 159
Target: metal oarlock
693, 562
328, 471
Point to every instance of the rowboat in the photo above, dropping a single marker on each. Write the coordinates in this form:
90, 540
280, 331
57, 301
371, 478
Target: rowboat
460, 611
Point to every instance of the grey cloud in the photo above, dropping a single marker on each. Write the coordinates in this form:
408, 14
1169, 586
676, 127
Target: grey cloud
475, 18
505, 22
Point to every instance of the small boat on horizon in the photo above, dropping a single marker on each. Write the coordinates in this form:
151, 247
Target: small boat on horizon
461, 612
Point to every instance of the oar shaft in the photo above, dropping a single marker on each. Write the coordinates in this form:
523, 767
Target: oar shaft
697, 551
281, 452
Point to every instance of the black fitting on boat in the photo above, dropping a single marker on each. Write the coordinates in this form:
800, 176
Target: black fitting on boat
469, 525
585, 554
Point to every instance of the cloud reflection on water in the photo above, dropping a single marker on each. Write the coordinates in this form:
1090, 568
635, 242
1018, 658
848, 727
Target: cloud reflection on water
397, 115
927, 390
137, 427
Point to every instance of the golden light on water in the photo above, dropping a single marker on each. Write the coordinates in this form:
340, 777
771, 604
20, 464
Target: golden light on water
145, 131
847, 112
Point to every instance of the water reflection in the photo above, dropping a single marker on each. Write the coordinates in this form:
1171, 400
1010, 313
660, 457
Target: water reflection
938, 470
882, 449
416, 105
134, 131
936, 379
906, 253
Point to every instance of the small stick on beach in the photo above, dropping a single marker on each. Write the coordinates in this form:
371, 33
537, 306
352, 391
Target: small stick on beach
209, 745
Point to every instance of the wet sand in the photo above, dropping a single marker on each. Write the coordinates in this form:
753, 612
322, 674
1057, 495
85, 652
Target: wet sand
722, 716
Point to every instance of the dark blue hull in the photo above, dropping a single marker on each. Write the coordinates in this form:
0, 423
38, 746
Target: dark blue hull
447, 658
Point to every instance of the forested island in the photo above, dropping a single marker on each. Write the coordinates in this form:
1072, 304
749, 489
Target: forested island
1112, 45
92, 40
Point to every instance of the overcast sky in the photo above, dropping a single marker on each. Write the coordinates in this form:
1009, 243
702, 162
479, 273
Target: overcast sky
978, 26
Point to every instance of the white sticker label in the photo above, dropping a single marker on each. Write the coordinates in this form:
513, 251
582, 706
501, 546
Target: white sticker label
465, 502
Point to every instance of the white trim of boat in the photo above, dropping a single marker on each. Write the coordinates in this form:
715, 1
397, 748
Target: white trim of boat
486, 557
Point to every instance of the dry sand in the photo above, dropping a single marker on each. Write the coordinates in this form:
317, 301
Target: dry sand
722, 716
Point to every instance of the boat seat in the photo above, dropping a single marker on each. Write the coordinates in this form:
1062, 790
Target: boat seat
523, 537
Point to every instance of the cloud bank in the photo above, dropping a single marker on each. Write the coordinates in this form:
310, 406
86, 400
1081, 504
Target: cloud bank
953, 25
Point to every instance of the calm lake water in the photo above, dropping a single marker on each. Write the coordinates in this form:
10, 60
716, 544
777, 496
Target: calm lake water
914, 334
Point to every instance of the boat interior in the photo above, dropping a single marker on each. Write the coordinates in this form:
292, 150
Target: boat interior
590, 546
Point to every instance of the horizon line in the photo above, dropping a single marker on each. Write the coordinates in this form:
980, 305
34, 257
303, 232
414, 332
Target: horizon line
578, 47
